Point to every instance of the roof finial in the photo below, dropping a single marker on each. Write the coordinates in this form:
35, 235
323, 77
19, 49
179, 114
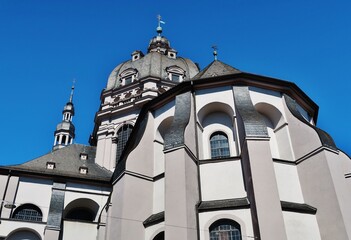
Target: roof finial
215, 53
72, 91
159, 28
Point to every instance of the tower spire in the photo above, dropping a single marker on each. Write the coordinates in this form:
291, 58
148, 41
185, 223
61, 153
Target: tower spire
65, 130
72, 91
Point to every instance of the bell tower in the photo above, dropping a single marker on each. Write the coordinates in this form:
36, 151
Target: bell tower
65, 130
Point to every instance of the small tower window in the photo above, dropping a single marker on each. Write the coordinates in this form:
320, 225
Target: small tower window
175, 73
128, 80
175, 77
172, 53
137, 55
128, 76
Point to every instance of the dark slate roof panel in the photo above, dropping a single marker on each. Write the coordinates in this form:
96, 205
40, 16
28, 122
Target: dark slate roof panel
216, 68
67, 163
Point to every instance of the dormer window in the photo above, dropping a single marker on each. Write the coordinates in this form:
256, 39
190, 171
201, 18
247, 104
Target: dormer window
128, 76
83, 156
83, 170
137, 55
175, 73
175, 77
172, 53
50, 165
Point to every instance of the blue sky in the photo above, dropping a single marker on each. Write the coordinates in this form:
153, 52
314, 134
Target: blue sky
44, 45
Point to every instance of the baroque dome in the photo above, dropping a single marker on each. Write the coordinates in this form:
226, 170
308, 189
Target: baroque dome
160, 62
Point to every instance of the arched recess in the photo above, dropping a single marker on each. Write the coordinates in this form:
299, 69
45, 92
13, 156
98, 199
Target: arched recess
160, 133
28, 212
278, 131
216, 117
82, 209
23, 234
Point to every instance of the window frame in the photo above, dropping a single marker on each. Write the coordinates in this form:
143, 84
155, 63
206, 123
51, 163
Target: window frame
120, 148
28, 212
129, 75
221, 155
221, 226
175, 71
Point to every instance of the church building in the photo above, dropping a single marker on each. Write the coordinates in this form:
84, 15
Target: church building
179, 152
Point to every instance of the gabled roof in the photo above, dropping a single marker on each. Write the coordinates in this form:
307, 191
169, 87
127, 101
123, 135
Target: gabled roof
216, 68
67, 162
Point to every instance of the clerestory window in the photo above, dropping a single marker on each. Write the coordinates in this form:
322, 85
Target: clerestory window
122, 138
219, 145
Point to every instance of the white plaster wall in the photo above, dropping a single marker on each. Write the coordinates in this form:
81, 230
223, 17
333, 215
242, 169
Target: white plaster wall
79, 230
7, 226
3, 181
222, 180
159, 196
159, 159
241, 216
160, 115
35, 191
272, 138
220, 94
288, 182
301, 226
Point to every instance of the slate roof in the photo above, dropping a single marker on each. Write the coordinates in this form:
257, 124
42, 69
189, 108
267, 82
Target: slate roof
216, 68
67, 163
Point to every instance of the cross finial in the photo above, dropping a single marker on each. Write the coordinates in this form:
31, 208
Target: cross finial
215, 52
159, 28
72, 91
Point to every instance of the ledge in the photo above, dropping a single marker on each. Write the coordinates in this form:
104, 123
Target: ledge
154, 219
298, 207
216, 205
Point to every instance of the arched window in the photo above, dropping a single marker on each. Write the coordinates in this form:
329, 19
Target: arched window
122, 138
219, 145
225, 229
160, 236
28, 212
